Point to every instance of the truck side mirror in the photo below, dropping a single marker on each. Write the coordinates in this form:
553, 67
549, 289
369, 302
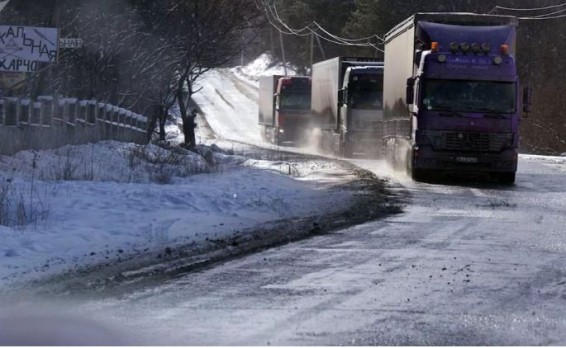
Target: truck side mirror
341, 96
410, 97
527, 99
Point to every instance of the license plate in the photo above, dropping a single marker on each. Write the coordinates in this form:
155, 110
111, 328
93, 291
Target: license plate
467, 159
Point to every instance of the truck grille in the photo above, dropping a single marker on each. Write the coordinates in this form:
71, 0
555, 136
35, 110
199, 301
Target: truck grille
367, 125
469, 141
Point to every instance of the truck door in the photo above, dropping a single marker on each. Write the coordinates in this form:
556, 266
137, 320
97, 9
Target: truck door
415, 107
343, 107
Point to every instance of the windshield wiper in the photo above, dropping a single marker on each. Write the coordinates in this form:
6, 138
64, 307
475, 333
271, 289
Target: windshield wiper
499, 116
491, 112
450, 114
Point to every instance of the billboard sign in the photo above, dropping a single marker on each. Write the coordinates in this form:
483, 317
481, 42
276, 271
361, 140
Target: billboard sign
71, 42
21, 48
3, 4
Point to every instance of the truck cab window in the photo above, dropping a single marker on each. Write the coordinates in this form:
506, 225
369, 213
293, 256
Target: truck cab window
290, 99
365, 92
469, 96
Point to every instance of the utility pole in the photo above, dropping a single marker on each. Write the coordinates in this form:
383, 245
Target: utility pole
321, 49
312, 52
242, 51
271, 40
283, 53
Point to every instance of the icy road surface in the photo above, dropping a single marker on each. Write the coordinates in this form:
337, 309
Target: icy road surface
478, 265
462, 266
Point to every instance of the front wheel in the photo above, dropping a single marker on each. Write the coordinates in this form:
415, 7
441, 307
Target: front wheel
507, 178
347, 150
275, 136
420, 175
263, 131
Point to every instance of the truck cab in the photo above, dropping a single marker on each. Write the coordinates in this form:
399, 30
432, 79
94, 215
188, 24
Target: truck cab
284, 107
292, 107
361, 109
347, 105
453, 100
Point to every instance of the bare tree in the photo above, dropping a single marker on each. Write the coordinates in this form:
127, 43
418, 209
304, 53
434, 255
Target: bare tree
209, 34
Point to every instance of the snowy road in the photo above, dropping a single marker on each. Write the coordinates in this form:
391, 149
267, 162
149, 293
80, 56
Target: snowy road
473, 266
478, 265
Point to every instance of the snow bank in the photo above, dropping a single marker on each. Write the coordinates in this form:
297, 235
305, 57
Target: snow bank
109, 207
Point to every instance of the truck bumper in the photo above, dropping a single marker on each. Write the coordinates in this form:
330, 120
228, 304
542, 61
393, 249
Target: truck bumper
292, 132
427, 158
293, 129
369, 143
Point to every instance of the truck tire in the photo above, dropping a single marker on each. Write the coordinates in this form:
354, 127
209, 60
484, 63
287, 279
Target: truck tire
346, 150
327, 143
409, 163
274, 136
507, 178
263, 131
420, 175
390, 155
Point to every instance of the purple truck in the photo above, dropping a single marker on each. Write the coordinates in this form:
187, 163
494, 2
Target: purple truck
452, 100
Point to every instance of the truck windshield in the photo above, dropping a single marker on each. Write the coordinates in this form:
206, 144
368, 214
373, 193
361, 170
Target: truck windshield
299, 100
469, 96
366, 91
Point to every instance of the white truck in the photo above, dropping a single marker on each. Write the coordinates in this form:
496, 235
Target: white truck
347, 105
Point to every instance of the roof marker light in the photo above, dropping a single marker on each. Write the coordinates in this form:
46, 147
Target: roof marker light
485, 47
476, 48
434, 46
465, 47
454, 47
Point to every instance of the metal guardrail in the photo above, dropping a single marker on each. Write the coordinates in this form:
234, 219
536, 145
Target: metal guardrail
49, 122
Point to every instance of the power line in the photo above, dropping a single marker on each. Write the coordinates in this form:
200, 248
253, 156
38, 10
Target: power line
313, 29
275, 15
541, 18
318, 26
526, 9
544, 16
550, 14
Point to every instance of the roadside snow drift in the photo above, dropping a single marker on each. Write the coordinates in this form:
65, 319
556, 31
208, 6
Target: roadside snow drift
87, 204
